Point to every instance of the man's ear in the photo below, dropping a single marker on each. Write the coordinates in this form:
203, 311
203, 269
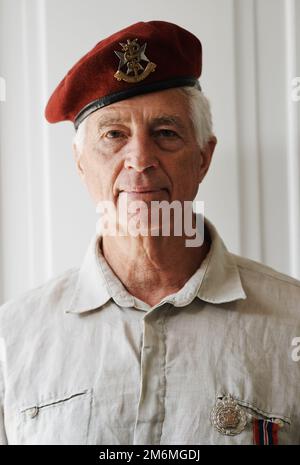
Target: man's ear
77, 159
206, 157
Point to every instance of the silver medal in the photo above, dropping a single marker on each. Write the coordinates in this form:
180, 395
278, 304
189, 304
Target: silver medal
228, 417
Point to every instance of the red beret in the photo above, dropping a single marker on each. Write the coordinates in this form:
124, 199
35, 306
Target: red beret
145, 57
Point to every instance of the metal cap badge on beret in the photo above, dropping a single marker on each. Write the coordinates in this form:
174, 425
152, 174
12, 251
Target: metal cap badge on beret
144, 57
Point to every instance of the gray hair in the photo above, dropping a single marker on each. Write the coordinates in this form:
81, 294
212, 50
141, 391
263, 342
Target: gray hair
200, 115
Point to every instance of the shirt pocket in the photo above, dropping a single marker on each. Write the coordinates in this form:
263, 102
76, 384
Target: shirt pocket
268, 427
60, 419
263, 426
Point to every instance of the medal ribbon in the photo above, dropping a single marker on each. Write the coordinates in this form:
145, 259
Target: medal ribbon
265, 432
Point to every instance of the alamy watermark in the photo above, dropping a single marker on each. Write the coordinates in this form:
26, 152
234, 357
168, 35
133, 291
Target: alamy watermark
295, 94
2, 89
296, 350
155, 218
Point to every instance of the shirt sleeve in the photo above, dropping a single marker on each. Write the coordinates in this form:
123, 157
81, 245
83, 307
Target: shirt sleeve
3, 438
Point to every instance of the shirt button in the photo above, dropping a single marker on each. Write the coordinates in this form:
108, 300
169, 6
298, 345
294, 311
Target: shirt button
33, 412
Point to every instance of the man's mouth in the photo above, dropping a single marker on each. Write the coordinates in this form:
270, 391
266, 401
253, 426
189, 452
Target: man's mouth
143, 190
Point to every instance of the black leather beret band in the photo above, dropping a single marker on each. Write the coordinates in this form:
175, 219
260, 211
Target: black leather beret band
131, 92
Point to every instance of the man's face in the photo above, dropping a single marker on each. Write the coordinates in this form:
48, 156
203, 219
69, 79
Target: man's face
146, 147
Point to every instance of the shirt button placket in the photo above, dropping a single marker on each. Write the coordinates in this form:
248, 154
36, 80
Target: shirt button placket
150, 412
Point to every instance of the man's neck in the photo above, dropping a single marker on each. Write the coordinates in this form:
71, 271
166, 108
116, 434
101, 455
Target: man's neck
153, 267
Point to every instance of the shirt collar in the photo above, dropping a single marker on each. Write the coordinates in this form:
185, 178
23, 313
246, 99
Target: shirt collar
217, 280
221, 281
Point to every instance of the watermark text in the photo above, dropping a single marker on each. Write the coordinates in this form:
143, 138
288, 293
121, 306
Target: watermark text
2, 89
155, 218
295, 94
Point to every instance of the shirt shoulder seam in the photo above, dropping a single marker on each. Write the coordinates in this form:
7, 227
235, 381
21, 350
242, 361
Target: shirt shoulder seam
38, 290
270, 275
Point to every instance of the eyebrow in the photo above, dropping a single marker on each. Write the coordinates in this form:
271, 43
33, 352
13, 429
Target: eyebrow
168, 120
107, 120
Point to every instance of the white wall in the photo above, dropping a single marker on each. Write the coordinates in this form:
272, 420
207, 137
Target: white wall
252, 192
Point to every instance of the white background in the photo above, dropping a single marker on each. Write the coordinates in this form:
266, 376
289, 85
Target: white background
252, 191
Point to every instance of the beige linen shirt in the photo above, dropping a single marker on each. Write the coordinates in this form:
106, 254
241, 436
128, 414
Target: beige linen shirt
85, 362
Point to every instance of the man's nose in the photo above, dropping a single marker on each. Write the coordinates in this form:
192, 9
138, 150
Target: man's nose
141, 154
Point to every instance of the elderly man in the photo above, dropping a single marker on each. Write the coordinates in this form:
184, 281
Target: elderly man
153, 340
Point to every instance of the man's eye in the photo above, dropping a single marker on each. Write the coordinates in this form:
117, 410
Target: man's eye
168, 133
114, 134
